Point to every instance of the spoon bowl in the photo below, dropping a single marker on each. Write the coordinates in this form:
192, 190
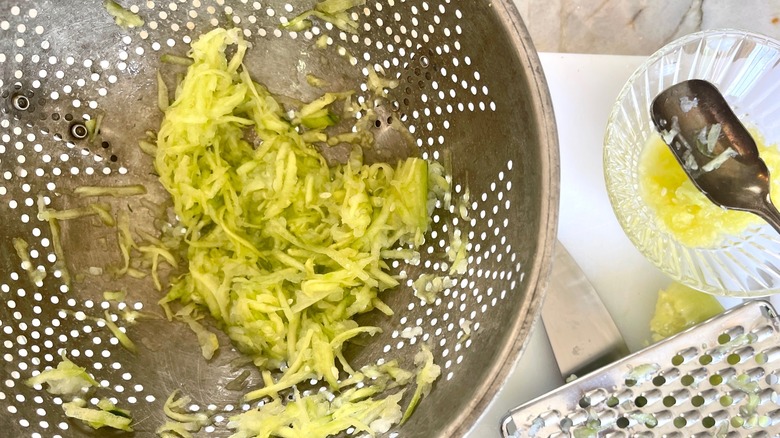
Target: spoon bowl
714, 148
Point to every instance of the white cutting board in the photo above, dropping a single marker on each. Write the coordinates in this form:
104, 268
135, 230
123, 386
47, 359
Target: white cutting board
583, 90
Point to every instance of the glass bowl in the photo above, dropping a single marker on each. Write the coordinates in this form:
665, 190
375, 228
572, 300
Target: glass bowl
746, 68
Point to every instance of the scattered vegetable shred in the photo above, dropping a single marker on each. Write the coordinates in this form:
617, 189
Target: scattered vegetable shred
335, 12
122, 16
106, 414
182, 423
67, 379
427, 373
73, 382
323, 413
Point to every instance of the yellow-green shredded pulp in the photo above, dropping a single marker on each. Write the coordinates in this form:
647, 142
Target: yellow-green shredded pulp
283, 250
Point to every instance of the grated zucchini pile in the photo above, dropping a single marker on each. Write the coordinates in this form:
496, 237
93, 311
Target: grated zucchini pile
283, 250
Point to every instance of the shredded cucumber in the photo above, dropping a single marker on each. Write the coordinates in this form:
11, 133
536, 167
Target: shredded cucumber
427, 373
93, 127
23, 251
283, 250
331, 11
173, 59
115, 191
73, 382
121, 336
67, 379
315, 81
117, 296
182, 423
122, 16
358, 404
148, 147
428, 286
173, 429
104, 213
380, 85
207, 340
162, 93
107, 415
68, 214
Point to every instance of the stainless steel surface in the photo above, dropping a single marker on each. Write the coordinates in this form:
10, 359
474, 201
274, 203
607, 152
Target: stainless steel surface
582, 333
72, 63
691, 112
719, 378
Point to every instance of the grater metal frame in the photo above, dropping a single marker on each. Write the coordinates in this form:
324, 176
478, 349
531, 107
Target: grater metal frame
688, 385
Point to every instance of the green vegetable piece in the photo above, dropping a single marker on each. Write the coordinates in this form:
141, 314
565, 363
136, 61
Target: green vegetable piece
428, 286
107, 415
23, 251
177, 410
67, 379
68, 214
122, 16
93, 127
427, 373
298, 23
336, 6
380, 85
125, 241
104, 212
207, 340
173, 429
321, 414
162, 93
116, 191
320, 120
148, 147
123, 339
321, 42
315, 81
642, 373
118, 296
106, 405
331, 11
176, 60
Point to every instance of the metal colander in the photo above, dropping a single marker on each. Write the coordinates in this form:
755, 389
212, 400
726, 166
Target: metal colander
470, 86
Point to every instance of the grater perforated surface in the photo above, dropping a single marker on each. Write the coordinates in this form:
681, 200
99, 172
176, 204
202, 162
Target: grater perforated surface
470, 87
718, 379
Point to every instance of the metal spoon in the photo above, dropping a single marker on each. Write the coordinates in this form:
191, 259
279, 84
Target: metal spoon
714, 148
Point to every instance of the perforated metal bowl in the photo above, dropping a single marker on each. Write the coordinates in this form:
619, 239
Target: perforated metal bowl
471, 86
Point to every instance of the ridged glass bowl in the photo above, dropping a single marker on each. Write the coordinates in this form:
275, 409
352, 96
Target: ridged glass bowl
746, 68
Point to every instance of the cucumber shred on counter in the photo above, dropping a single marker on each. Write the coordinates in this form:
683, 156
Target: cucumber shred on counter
283, 250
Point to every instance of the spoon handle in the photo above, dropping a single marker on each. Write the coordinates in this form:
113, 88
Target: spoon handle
770, 214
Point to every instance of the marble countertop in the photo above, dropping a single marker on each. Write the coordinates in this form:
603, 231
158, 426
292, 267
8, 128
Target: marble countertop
637, 27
